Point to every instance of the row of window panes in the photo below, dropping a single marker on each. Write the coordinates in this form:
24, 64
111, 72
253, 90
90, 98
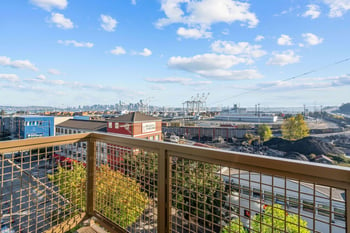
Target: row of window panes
308, 206
156, 138
110, 125
66, 131
31, 123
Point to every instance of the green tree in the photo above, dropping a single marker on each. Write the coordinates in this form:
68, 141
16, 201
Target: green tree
282, 222
196, 190
235, 226
295, 128
143, 167
121, 199
264, 132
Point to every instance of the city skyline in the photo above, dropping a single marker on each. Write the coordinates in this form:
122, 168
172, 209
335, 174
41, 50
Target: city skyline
70, 53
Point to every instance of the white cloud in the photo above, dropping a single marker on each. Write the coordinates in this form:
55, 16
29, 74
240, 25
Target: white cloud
118, 51
50, 4
193, 33
313, 11
76, 43
283, 58
41, 77
284, 12
337, 7
9, 77
259, 38
133, 2
54, 72
61, 21
221, 74
214, 66
202, 14
208, 61
244, 49
306, 83
108, 23
158, 87
21, 64
225, 31
177, 80
312, 39
56, 82
146, 52
284, 40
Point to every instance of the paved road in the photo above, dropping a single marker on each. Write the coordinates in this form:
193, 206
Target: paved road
346, 133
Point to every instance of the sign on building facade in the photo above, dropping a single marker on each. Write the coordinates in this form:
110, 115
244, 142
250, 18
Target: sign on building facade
148, 127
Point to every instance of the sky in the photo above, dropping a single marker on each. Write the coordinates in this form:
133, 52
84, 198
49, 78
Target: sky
273, 53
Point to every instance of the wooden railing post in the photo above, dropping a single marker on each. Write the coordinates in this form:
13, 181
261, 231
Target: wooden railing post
164, 198
347, 209
91, 177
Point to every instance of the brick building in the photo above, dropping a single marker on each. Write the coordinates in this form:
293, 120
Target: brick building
137, 125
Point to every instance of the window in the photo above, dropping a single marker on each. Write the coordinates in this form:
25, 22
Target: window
323, 210
116, 125
268, 196
245, 190
70, 131
110, 125
151, 138
157, 138
339, 214
256, 193
235, 187
308, 206
279, 199
65, 131
293, 202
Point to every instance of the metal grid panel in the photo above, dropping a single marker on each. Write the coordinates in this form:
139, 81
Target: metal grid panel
207, 197
42, 188
126, 186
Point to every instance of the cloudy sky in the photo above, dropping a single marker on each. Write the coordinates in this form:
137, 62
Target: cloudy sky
276, 53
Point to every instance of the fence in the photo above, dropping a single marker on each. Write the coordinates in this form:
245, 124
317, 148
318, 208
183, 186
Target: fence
135, 185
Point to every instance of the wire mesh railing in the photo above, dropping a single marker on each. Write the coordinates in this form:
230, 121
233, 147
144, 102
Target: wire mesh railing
40, 186
126, 186
205, 190
134, 185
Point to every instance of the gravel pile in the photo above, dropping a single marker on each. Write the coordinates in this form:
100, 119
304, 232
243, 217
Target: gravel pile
305, 146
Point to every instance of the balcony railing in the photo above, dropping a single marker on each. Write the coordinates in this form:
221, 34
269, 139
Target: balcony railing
133, 185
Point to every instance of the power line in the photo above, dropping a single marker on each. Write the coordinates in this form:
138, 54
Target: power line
288, 79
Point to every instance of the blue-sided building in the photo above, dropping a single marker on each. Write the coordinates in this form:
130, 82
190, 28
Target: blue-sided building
33, 126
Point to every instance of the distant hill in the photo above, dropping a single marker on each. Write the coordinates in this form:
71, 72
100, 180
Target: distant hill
345, 108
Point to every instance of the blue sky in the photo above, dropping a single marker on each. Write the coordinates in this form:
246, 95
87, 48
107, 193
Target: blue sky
70, 53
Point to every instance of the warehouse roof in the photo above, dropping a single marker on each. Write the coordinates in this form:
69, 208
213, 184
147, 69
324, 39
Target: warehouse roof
134, 117
85, 125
